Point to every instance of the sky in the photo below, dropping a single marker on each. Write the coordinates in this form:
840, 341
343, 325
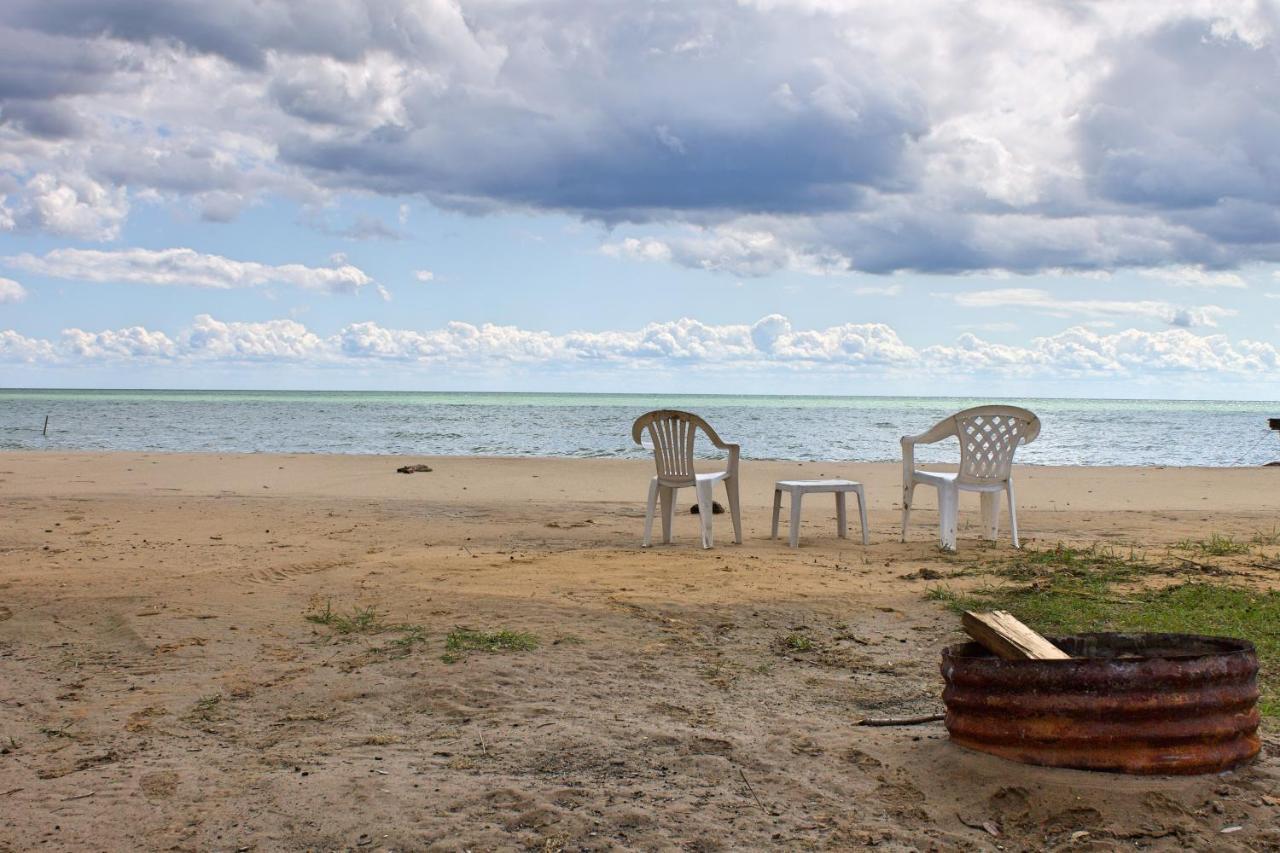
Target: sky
739, 196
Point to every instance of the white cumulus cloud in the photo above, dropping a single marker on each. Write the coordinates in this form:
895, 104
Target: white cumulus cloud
11, 291
74, 206
187, 268
1192, 276
1047, 303
773, 343
272, 341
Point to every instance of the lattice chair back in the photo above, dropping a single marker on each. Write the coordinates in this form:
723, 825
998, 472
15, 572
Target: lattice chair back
989, 435
672, 433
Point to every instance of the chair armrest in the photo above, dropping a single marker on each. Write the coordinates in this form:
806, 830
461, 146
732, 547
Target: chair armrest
933, 436
734, 451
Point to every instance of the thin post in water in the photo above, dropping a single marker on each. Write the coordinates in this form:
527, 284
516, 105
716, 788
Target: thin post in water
45, 431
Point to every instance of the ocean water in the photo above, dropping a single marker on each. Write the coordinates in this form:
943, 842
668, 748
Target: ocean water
1075, 432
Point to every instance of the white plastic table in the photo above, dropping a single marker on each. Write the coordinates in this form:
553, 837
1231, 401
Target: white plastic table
800, 488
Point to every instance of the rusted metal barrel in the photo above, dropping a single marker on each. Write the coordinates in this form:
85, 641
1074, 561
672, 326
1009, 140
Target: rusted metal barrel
1124, 703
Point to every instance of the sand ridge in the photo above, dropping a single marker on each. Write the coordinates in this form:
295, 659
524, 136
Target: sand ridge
163, 688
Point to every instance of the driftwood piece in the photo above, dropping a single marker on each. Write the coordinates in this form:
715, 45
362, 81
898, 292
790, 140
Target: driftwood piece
1003, 634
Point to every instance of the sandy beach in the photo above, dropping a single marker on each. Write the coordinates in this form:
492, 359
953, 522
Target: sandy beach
161, 686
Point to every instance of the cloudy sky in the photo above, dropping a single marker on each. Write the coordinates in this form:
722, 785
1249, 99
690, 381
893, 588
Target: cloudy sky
826, 196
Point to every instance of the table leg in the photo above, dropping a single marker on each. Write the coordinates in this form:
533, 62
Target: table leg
795, 518
777, 510
842, 522
862, 513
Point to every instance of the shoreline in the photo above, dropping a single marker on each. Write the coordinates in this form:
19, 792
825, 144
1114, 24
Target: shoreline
497, 480
711, 462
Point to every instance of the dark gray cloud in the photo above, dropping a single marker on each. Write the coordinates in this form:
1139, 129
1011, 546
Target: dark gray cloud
876, 136
45, 120
1186, 119
38, 69
35, 65
245, 32
631, 112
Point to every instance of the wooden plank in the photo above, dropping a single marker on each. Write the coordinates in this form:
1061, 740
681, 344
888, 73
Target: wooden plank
1003, 634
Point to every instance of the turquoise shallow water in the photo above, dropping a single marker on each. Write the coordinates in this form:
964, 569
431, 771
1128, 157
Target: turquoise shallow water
1076, 432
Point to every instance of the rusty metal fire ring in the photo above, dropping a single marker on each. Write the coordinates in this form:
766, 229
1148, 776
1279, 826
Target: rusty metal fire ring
1124, 703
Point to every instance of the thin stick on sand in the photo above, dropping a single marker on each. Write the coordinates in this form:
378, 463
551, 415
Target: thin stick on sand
901, 721
747, 782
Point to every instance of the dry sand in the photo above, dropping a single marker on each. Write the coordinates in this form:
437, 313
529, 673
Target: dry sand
160, 687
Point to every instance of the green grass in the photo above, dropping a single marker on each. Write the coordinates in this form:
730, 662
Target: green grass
1068, 591
797, 643
1217, 545
359, 621
459, 641
412, 635
1092, 563
1266, 537
368, 620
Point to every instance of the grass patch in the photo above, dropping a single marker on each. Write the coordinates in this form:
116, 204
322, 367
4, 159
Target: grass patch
413, 635
1076, 590
459, 641
208, 708
366, 621
797, 643
1092, 564
1266, 537
62, 731
359, 621
1217, 545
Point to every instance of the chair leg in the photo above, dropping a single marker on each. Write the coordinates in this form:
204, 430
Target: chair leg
794, 530
908, 494
948, 509
777, 510
862, 513
668, 496
735, 508
704, 511
1013, 513
991, 515
842, 518
648, 514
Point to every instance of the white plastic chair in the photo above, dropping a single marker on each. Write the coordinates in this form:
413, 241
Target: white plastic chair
672, 434
988, 436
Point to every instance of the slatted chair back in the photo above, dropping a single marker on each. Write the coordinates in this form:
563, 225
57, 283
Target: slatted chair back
989, 436
672, 434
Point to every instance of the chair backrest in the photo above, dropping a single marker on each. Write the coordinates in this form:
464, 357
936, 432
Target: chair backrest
672, 433
989, 435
